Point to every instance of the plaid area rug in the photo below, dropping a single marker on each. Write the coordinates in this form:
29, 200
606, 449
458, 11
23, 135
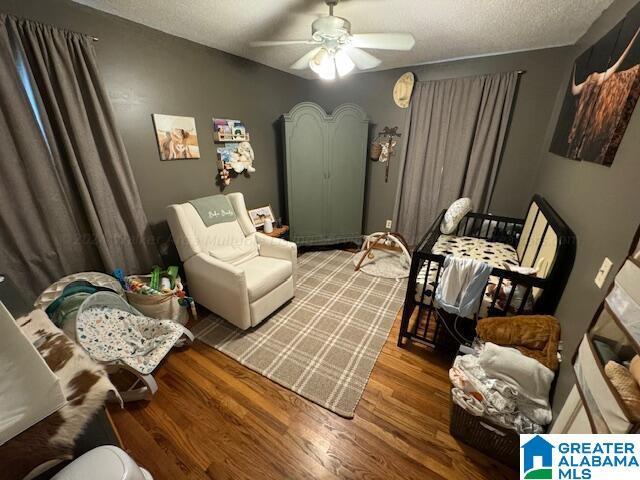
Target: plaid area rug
324, 343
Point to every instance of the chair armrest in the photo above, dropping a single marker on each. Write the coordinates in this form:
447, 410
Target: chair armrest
278, 248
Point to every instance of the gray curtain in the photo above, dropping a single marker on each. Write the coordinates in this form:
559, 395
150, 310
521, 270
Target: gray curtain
68, 199
457, 129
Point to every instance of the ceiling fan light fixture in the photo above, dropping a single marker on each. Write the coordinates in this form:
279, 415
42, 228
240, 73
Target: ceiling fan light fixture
323, 64
344, 64
336, 51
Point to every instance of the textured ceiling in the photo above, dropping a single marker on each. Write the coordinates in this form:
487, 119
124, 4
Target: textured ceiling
444, 29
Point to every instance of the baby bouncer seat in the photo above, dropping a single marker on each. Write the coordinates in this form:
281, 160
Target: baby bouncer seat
120, 337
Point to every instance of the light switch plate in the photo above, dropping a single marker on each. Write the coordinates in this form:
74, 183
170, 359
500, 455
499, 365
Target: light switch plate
387, 224
603, 272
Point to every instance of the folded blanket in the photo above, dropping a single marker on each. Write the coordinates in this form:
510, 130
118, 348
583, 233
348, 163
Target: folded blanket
214, 209
468, 402
535, 336
496, 393
458, 378
513, 420
530, 378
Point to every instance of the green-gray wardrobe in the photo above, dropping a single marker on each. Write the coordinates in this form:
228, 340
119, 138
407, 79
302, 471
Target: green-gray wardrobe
325, 170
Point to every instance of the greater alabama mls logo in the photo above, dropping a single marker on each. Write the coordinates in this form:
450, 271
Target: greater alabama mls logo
537, 459
580, 457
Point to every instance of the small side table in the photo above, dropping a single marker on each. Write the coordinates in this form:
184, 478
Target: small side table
278, 231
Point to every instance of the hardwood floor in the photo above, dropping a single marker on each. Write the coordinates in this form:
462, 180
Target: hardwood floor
212, 418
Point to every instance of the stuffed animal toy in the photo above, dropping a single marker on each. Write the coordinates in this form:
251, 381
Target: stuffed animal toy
242, 159
224, 176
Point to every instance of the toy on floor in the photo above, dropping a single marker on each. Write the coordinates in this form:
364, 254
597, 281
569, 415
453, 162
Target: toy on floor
384, 254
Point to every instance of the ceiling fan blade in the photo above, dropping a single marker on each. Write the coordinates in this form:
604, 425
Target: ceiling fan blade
303, 61
383, 41
362, 59
277, 43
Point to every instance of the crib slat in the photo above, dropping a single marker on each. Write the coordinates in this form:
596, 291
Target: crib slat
524, 300
432, 306
533, 226
496, 293
421, 306
484, 291
544, 234
508, 302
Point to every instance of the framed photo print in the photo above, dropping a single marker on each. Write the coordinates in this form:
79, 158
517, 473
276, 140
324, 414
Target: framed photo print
259, 215
177, 137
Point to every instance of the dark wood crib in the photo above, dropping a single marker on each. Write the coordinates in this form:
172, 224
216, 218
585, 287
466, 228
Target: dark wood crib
541, 240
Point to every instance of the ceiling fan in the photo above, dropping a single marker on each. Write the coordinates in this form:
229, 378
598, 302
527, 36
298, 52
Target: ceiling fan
339, 51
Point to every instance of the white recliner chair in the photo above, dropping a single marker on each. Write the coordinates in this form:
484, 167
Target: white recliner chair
238, 273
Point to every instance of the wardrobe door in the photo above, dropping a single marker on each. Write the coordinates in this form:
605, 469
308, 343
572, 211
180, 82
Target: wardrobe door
348, 131
306, 172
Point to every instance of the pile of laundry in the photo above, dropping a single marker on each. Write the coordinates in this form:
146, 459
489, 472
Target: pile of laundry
508, 377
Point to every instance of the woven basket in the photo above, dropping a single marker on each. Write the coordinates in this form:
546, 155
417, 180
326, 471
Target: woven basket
161, 307
497, 442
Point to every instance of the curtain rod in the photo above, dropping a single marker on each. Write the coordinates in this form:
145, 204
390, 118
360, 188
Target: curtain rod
35, 22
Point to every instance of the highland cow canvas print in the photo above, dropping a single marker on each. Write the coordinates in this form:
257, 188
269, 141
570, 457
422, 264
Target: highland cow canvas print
177, 137
602, 93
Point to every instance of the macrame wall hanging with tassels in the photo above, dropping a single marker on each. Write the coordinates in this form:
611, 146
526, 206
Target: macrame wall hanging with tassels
383, 147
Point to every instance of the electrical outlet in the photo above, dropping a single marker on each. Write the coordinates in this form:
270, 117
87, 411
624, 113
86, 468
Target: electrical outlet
387, 224
603, 272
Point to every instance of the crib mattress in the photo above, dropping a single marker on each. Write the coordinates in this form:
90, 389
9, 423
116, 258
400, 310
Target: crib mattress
496, 254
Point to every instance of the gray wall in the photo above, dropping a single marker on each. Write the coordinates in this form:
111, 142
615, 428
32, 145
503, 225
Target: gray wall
534, 105
147, 71
599, 203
